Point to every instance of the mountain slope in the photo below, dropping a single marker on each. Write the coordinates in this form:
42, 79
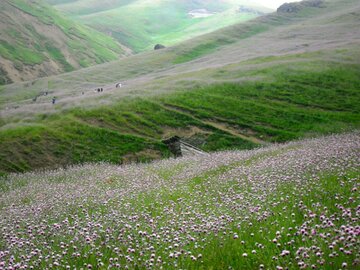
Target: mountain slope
279, 77
37, 41
142, 24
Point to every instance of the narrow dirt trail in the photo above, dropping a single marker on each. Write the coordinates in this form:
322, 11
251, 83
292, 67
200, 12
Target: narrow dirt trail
217, 125
233, 131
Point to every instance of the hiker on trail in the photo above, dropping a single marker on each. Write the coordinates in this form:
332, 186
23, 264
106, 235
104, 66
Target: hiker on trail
82, 93
98, 90
34, 99
53, 100
118, 85
101, 89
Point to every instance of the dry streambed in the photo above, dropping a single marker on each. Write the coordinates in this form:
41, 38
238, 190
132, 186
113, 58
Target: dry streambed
286, 206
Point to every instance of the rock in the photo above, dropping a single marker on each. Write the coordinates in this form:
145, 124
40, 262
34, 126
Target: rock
4, 77
289, 8
174, 145
296, 7
159, 47
313, 3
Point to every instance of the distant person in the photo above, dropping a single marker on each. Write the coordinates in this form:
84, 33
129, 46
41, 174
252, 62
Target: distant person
53, 100
34, 99
102, 90
82, 93
98, 90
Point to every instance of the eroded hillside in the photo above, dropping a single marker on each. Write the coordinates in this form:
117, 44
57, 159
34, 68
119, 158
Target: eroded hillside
37, 41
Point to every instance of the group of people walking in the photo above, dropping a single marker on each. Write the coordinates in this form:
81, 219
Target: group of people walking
54, 99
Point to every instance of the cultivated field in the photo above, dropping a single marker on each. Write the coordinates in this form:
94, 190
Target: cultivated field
288, 206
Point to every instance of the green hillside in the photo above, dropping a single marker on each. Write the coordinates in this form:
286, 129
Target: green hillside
277, 78
38, 41
142, 24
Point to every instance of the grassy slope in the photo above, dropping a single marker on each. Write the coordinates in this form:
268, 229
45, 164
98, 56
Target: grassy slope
259, 100
165, 22
301, 198
295, 105
36, 34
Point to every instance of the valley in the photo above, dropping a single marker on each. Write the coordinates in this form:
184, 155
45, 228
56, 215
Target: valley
161, 21
234, 145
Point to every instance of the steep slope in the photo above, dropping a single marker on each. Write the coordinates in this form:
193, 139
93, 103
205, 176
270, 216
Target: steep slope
279, 77
37, 41
142, 24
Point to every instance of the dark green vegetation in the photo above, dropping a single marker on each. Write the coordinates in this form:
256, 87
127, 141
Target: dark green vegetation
113, 134
165, 22
293, 105
59, 142
38, 41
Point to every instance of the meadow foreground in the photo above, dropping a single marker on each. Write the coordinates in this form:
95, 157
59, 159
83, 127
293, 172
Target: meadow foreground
287, 206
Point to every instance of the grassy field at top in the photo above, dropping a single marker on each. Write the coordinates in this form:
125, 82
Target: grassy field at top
165, 22
229, 95
38, 41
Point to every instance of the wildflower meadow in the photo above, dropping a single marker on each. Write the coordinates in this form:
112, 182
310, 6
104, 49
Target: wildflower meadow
284, 206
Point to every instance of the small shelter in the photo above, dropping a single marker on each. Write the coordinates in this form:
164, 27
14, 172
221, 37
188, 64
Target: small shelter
180, 148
